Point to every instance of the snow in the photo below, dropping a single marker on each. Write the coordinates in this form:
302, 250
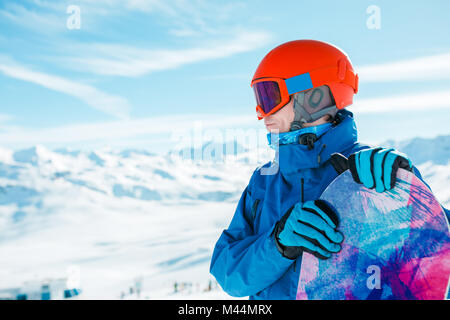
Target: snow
438, 178
117, 215
421, 150
122, 215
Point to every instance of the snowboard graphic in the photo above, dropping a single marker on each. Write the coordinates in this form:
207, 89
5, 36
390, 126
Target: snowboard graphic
396, 246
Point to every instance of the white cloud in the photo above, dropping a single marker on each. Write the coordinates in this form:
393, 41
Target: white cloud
122, 129
42, 21
217, 32
406, 102
122, 60
110, 104
183, 18
424, 68
5, 118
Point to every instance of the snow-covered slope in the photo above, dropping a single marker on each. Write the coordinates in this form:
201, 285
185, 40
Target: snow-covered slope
119, 215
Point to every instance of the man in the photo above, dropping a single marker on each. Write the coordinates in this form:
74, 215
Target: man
301, 88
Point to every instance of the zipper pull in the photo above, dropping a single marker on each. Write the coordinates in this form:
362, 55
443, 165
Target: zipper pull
303, 190
318, 156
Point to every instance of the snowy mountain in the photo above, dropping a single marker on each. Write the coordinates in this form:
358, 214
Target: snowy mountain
421, 150
432, 158
119, 215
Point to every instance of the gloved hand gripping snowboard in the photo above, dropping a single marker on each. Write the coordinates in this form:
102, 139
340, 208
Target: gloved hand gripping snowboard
375, 168
310, 227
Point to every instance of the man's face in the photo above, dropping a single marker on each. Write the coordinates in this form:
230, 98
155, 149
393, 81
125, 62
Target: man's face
282, 119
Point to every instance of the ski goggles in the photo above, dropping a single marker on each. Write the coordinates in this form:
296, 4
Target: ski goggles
274, 93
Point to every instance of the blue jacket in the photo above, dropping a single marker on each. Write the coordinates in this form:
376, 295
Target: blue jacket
246, 261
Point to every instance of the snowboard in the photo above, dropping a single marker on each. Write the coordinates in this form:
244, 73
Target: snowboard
396, 245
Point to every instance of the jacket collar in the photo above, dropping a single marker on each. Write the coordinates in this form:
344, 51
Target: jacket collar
293, 158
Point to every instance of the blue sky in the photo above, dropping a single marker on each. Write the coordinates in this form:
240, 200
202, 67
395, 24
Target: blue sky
137, 70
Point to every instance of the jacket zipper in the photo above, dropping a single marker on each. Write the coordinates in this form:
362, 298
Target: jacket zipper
303, 200
303, 189
318, 156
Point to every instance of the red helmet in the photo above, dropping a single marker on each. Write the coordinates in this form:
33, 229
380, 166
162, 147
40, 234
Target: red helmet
300, 65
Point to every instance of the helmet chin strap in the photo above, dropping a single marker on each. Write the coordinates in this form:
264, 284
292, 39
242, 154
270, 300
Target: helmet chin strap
312, 105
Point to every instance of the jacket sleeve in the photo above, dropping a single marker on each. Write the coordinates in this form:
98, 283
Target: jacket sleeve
243, 262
